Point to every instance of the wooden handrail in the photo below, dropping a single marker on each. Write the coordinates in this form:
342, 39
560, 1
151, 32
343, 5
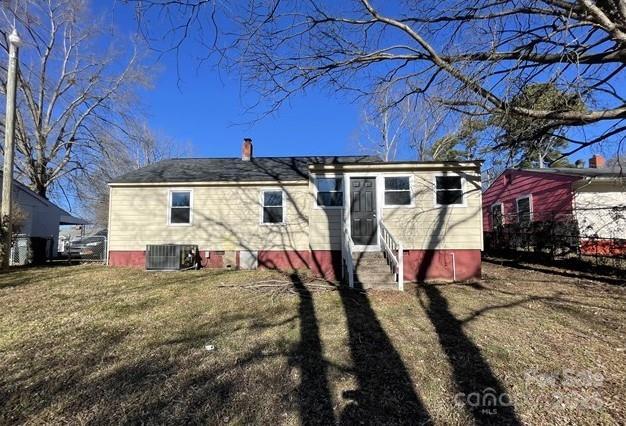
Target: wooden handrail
394, 253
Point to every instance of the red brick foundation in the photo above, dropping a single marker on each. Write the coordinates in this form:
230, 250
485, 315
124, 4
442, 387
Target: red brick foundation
135, 259
600, 247
215, 259
323, 263
419, 265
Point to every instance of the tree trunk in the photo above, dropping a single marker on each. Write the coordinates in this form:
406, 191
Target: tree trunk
40, 189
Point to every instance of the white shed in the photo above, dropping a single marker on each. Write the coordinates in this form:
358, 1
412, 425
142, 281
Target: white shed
42, 218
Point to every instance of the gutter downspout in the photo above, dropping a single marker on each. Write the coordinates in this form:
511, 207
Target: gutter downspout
453, 267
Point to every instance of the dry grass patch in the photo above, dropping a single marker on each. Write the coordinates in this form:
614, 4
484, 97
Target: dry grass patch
89, 344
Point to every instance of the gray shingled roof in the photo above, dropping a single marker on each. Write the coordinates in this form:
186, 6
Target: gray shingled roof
234, 169
582, 172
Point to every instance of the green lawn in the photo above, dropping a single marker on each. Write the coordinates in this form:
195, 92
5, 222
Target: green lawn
90, 344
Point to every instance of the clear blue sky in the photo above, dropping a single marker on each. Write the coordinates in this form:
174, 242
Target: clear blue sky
204, 107
208, 112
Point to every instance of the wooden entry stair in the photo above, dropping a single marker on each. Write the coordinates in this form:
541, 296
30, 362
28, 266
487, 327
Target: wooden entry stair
374, 269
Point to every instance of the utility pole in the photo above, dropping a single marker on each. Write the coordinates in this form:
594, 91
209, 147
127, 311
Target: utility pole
9, 150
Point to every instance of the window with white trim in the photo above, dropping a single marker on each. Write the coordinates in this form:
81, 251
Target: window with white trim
524, 210
180, 208
273, 206
329, 191
397, 191
497, 216
448, 190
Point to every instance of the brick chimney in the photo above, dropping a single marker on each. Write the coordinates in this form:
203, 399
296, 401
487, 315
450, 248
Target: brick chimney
596, 162
246, 149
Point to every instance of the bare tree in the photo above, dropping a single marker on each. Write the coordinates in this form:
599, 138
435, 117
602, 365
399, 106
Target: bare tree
485, 50
618, 162
76, 83
140, 147
390, 127
385, 125
428, 121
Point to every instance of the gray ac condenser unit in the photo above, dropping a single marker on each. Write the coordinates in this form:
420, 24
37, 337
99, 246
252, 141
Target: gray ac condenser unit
170, 257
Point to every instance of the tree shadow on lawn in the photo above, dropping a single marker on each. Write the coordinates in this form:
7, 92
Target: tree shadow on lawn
49, 379
385, 394
102, 381
314, 398
15, 280
546, 268
480, 391
25, 275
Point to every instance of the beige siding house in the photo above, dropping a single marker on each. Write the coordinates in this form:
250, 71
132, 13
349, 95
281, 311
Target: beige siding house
322, 213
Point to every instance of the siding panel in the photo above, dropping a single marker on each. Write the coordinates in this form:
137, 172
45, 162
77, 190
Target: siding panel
550, 193
425, 226
600, 210
223, 218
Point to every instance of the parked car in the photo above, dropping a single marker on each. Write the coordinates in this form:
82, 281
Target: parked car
92, 246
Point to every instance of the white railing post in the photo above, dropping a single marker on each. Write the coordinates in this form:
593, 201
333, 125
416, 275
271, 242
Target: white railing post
350, 265
400, 267
346, 254
394, 252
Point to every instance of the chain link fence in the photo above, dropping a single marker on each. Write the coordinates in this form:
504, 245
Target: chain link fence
595, 237
26, 250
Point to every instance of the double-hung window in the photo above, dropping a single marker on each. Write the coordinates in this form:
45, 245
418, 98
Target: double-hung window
448, 190
524, 210
397, 191
180, 208
273, 207
329, 191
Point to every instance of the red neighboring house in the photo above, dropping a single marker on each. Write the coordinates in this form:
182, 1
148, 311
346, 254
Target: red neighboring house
593, 199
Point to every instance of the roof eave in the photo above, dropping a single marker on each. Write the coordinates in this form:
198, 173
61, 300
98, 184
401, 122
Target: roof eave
68, 219
566, 173
603, 179
211, 183
399, 166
